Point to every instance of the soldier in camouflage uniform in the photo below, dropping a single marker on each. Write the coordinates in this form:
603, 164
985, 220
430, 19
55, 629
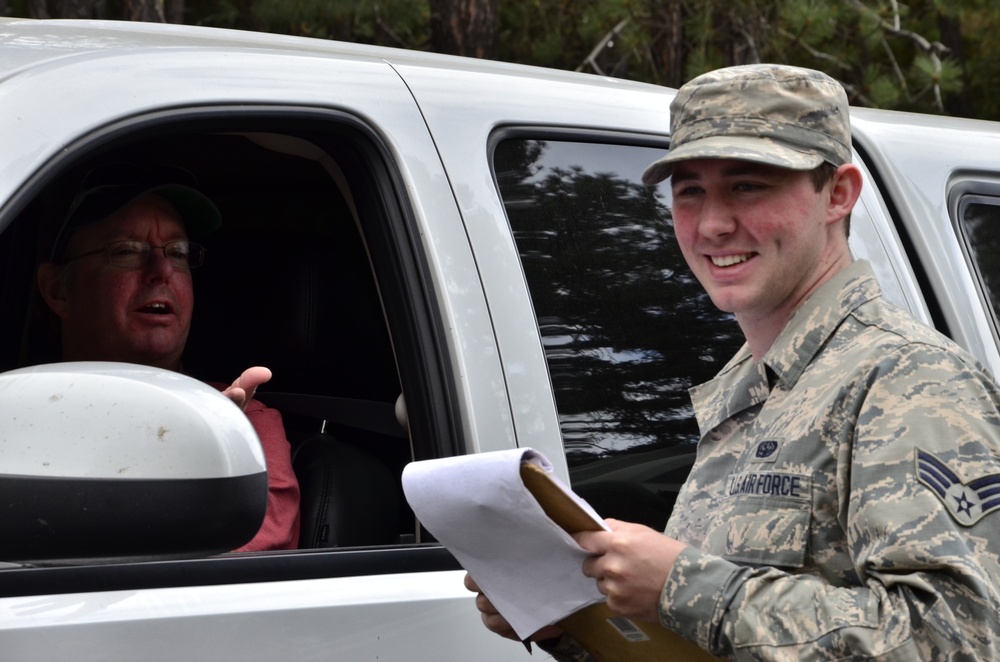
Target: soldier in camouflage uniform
843, 500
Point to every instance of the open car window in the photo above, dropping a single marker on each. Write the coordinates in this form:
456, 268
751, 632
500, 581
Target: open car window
312, 274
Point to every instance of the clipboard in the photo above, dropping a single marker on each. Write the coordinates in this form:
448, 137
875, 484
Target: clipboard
608, 637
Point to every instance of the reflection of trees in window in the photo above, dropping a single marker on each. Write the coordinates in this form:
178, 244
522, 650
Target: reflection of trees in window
626, 327
982, 230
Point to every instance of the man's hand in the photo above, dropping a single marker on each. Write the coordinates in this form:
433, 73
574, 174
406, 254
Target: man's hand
631, 564
242, 390
494, 622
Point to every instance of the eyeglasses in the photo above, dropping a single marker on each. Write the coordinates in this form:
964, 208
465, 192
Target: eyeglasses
131, 254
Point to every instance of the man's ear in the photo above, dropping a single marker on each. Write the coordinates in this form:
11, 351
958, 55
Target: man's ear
52, 287
844, 191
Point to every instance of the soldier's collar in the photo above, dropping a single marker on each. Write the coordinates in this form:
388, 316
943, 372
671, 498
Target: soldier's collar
817, 319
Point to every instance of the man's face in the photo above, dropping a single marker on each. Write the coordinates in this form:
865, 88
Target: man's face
758, 238
137, 315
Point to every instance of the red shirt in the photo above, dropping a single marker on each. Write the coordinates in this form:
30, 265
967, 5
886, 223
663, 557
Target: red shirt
280, 529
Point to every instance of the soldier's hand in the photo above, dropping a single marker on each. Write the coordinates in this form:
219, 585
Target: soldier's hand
630, 564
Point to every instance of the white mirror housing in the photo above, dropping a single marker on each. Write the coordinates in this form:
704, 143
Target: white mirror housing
114, 460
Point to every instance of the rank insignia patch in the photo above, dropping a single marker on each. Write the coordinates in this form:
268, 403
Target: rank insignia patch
967, 502
766, 448
765, 451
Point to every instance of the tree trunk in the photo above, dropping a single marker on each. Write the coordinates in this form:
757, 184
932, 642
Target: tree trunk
38, 9
951, 36
144, 10
464, 27
673, 50
80, 9
174, 11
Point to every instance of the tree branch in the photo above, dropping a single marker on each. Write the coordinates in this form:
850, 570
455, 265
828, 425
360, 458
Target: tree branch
607, 39
933, 49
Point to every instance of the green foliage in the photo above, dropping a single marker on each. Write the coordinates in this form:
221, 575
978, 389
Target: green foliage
399, 23
882, 91
702, 60
310, 18
935, 56
811, 22
925, 55
555, 33
224, 14
928, 72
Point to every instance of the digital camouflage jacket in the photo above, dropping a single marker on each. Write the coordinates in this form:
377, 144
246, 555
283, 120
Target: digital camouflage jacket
843, 500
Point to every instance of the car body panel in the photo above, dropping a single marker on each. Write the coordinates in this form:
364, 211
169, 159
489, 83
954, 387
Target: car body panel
895, 143
350, 618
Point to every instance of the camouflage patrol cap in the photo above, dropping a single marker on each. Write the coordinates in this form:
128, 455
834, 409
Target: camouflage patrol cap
783, 116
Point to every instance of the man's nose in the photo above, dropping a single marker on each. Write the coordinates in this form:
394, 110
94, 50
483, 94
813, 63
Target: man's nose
718, 218
158, 266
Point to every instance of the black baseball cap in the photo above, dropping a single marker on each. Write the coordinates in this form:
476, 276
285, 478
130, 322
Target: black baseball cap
110, 187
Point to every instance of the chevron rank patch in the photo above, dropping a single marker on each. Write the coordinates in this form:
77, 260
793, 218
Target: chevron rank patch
967, 502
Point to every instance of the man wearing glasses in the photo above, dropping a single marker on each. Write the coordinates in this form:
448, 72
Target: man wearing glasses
119, 280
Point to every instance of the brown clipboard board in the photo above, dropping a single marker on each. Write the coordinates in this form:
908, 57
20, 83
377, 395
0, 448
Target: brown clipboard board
607, 637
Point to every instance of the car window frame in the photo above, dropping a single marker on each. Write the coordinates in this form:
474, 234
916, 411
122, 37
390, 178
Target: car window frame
966, 189
405, 286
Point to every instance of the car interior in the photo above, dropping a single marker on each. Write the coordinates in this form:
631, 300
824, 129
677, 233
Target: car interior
288, 283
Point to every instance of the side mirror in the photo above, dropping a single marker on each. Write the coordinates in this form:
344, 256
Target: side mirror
102, 461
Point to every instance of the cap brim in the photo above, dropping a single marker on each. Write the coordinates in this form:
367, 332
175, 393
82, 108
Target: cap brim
737, 148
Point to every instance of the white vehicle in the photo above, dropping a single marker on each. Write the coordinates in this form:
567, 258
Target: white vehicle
435, 256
